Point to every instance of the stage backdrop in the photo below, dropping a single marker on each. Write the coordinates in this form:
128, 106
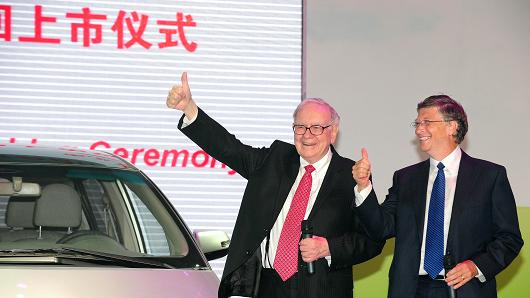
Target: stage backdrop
95, 75
375, 60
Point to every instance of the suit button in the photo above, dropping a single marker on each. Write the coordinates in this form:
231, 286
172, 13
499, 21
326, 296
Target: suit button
247, 252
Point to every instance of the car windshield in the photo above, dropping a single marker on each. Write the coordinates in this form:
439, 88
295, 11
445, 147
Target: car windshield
107, 212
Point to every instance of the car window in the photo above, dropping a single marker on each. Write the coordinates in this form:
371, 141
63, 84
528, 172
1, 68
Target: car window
104, 210
152, 232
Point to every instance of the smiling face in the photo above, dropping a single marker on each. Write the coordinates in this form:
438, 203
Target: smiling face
436, 138
312, 148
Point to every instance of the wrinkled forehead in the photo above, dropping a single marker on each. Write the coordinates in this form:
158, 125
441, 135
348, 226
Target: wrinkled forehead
313, 113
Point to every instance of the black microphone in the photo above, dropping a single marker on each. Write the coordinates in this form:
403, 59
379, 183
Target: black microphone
449, 263
307, 232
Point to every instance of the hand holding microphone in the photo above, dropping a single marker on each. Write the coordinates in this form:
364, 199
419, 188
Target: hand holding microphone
312, 247
449, 263
307, 232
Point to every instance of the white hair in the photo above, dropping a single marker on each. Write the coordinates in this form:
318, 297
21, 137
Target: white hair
335, 118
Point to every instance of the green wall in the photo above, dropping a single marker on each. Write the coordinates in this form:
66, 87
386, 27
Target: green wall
371, 278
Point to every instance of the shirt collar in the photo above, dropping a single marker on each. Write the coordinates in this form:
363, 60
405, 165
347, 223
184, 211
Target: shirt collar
451, 161
319, 164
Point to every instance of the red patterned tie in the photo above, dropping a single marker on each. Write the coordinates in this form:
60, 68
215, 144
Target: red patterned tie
286, 260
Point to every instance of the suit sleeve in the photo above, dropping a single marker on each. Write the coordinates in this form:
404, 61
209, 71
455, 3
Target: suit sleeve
506, 237
379, 220
354, 247
215, 140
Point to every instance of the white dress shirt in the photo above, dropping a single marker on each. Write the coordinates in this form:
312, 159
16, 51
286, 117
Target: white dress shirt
317, 175
451, 163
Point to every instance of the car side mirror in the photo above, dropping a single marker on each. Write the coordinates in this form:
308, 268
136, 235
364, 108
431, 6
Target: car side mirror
214, 244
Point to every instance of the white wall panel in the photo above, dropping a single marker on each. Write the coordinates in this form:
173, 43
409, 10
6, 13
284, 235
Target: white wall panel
246, 72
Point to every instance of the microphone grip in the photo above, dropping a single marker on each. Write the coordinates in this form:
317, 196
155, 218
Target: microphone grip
449, 263
307, 232
452, 292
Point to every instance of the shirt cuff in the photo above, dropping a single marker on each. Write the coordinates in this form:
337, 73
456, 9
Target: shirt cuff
328, 258
362, 195
186, 121
480, 276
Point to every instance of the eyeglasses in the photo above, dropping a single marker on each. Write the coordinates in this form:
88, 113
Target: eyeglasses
315, 130
426, 123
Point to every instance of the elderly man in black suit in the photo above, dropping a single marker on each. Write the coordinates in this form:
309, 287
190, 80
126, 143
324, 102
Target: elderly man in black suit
450, 206
286, 184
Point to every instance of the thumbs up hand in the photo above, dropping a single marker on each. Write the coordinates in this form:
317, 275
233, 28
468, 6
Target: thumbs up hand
179, 98
361, 171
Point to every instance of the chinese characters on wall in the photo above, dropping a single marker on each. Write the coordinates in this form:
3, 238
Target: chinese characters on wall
86, 27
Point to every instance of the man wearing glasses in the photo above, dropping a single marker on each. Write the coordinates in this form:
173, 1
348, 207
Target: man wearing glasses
286, 184
453, 216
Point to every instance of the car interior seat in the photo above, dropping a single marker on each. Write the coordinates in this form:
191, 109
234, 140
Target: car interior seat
19, 219
57, 211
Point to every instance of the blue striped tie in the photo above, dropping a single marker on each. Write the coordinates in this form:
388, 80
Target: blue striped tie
434, 240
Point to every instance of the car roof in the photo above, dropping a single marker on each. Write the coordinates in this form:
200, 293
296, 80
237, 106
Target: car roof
61, 156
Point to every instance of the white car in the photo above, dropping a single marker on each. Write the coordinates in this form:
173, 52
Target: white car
78, 223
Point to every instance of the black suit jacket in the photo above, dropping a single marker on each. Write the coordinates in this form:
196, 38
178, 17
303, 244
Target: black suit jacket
271, 173
483, 228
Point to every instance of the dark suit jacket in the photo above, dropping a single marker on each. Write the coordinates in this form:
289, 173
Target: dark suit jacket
271, 173
483, 228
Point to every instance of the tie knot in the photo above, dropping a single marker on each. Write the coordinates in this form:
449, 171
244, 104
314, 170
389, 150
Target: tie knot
440, 166
309, 169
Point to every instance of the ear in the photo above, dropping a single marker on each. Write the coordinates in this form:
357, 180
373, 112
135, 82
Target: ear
334, 133
452, 128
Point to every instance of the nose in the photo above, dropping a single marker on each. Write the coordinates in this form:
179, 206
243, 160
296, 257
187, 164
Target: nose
419, 129
307, 134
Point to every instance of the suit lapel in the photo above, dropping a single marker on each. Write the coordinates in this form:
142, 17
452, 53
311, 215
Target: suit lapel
420, 183
465, 182
333, 171
288, 176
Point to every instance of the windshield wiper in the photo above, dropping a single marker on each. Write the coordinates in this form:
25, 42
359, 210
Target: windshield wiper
86, 255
